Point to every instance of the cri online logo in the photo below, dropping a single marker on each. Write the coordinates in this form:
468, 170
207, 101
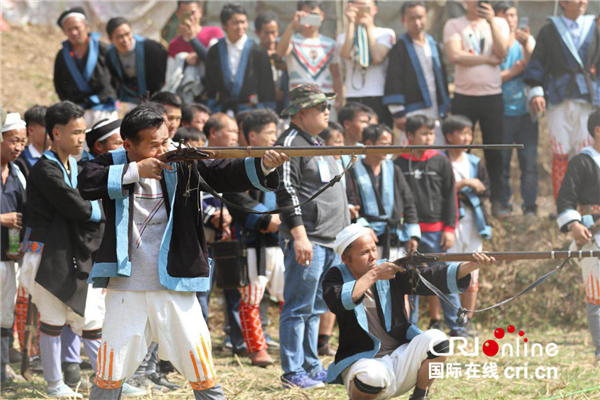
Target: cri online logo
491, 347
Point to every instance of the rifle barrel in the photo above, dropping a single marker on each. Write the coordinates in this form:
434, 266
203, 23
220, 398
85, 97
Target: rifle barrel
308, 151
516, 255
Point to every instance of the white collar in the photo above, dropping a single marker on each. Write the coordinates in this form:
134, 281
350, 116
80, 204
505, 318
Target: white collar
570, 23
34, 152
239, 44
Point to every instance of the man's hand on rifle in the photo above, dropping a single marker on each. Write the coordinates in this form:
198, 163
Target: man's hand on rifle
386, 271
273, 159
151, 168
581, 234
480, 260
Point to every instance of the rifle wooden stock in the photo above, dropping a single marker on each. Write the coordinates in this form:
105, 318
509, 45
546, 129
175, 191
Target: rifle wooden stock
500, 256
191, 153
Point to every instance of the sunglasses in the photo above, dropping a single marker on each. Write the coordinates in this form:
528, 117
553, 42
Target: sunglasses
323, 106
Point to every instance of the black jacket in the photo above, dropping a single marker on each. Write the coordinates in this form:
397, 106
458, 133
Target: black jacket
62, 220
257, 88
404, 211
100, 82
431, 181
187, 251
402, 84
581, 186
155, 64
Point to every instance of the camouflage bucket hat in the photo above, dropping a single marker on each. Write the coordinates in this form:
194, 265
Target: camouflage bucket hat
305, 96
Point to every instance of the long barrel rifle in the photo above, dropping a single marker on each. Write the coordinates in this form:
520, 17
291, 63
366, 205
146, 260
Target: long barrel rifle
411, 262
187, 154
183, 153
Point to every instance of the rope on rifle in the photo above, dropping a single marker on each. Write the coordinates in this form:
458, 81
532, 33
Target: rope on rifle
205, 187
462, 312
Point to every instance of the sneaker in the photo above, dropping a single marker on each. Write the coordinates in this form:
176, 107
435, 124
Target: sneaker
501, 211
326, 350
436, 324
301, 381
227, 343
261, 359
63, 392
320, 375
271, 342
160, 379
132, 391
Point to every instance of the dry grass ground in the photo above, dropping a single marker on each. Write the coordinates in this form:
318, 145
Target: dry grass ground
554, 312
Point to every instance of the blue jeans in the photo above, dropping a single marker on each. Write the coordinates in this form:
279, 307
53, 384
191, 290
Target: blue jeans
303, 303
521, 130
430, 243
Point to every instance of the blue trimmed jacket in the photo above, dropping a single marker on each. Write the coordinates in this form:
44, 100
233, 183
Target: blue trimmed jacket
356, 342
183, 261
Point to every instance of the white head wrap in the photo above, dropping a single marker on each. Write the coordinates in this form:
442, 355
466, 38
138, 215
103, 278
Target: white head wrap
13, 121
72, 14
347, 236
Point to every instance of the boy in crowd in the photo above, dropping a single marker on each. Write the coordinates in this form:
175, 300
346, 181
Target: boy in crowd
364, 48
578, 210
310, 56
172, 104
138, 65
517, 126
563, 75
104, 137
190, 136
386, 203
265, 257
60, 222
238, 71
354, 118
429, 175
416, 77
81, 72
267, 30
12, 207
194, 115
194, 39
473, 187
39, 141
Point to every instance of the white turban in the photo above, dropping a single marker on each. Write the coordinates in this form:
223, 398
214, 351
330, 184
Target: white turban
346, 237
13, 121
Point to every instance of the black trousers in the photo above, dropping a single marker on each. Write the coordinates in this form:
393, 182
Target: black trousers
376, 103
489, 111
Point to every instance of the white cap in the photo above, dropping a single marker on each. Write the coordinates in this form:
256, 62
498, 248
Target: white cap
347, 236
13, 121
